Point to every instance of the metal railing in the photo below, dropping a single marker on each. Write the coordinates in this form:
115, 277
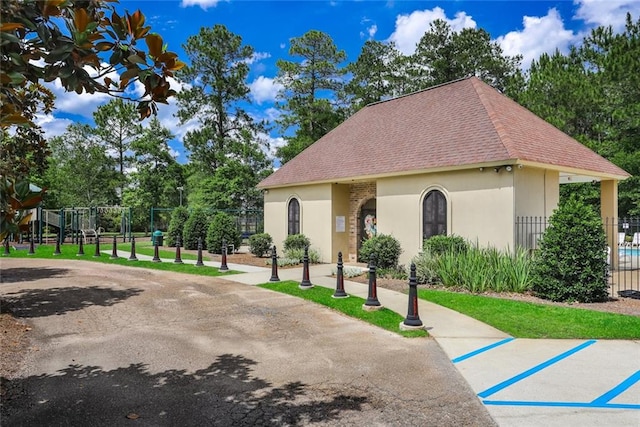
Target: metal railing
623, 256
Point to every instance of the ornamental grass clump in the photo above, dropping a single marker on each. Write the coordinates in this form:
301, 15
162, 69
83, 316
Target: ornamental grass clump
571, 263
474, 269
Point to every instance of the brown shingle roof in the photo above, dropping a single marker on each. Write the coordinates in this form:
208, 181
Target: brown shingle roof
462, 123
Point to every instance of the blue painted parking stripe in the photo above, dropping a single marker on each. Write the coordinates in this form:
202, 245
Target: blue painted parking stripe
619, 389
562, 404
496, 388
481, 350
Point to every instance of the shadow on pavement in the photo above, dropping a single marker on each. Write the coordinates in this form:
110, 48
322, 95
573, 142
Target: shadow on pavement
19, 274
56, 301
226, 393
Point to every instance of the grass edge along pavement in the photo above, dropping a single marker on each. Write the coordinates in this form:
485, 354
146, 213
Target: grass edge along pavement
531, 320
69, 252
143, 249
516, 318
351, 306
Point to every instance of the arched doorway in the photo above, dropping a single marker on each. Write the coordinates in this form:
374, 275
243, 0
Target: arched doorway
367, 222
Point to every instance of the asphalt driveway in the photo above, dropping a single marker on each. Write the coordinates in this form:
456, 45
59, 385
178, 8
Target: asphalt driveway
126, 346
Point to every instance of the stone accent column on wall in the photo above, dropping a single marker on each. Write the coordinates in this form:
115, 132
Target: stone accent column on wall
359, 193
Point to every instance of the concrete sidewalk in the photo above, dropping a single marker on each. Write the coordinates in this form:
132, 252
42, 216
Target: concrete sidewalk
522, 382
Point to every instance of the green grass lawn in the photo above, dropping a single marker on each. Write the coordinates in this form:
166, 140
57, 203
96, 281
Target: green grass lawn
69, 251
146, 248
529, 320
351, 306
516, 318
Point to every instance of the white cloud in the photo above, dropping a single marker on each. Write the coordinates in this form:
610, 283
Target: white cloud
204, 4
272, 114
257, 56
51, 125
540, 35
607, 12
264, 89
372, 30
410, 28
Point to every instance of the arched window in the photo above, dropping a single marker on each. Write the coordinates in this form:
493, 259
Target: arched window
434, 214
294, 217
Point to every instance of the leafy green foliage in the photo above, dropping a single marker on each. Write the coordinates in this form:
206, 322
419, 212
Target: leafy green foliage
377, 74
438, 245
195, 227
223, 226
570, 264
305, 110
298, 254
179, 217
385, 249
443, 55
227, 151
296, 241
593, 94
94, 35
80, 172
259, 244
19, 200
426, 268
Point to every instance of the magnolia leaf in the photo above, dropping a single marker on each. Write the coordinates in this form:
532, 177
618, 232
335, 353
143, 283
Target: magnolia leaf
154, 43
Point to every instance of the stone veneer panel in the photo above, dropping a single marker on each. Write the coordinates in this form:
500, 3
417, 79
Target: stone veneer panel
359, 194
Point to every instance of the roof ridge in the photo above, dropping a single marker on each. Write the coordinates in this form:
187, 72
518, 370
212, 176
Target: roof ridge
404, 95
498, 126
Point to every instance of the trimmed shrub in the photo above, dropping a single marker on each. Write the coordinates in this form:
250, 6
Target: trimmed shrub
196, 226
259, 244
314, 255
437, 245
296, 241
386, 250
571, 263
179, 217
223, 226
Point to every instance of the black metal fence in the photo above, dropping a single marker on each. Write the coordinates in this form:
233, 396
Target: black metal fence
623, 253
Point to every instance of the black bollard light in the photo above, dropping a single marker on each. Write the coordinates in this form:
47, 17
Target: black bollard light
178, 259
6, 247
306, 283
32, 249
413, 319
80, 248
223, 263
156, 256
57, 250
274, 265
97, 252
199, 263
372, 302
340, 293
114, 248
132, 256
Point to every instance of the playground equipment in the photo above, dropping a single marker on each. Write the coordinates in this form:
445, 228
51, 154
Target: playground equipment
81, 223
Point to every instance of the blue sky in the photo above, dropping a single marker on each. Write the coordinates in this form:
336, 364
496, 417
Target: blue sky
528, 28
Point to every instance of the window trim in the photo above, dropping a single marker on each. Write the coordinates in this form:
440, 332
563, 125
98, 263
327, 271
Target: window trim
422, 199
291, 221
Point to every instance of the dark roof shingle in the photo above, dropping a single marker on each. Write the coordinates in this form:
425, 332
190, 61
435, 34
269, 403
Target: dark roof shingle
465, 122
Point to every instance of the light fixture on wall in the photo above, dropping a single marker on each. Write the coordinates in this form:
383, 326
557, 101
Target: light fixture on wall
508, 168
